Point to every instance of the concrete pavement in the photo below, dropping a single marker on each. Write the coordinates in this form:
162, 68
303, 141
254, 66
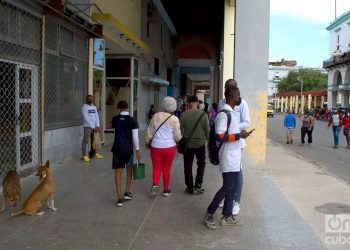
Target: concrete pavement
88, 219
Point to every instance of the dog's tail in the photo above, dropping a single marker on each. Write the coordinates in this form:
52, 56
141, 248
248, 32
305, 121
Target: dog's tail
18, 213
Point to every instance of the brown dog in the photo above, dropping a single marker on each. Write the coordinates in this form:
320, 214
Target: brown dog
11, 189
44, 191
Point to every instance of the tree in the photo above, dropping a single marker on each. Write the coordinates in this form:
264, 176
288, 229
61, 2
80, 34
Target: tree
312, 80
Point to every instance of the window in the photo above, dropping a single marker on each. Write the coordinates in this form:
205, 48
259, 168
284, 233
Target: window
156, 66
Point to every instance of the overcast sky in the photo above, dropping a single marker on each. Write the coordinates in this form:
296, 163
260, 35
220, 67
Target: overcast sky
298, 29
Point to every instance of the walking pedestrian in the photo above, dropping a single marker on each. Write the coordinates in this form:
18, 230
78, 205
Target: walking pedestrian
336, 122
126, 138
241, 112
346, 129
230, 161
91, 125
289, 126
307, 127
194, 125
151, 112
213, 112
162, 135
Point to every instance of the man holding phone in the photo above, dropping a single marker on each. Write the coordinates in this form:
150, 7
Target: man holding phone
241, 112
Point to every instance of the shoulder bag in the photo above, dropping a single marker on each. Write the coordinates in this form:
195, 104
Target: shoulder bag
150, 142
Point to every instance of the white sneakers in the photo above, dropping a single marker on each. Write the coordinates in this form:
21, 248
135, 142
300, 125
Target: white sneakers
236, 207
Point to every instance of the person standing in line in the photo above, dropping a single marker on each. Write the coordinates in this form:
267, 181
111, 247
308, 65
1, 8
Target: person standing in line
307, 127
126, 138
230, 161
196, 145
336, 122
162, 136
346, 129
289, 126
91, 125
241, 112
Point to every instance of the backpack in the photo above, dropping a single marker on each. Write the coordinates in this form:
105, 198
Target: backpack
213, 147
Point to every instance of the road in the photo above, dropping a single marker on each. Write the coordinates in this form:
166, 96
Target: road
321, 152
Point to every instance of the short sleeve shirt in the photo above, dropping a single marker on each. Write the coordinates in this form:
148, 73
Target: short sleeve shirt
123, 126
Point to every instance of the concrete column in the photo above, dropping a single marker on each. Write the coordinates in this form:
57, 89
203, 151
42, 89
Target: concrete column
229, 43
282, 104
278, 102
286, 105
309, 99
341, 97
322, 101
291, 103
302, 104
316, 102
297, 104
346, 98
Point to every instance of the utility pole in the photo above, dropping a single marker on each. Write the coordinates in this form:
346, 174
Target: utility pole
301, 94
335, 9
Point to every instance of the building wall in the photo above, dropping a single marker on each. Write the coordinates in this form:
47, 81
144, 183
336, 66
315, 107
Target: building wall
252, 52
127, 12
343, 30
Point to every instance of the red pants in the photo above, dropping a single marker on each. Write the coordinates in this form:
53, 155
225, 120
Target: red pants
162, 158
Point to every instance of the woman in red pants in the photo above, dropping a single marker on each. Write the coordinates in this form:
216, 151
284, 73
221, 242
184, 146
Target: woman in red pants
162, 135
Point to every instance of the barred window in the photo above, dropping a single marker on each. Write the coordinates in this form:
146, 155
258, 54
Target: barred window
66, 67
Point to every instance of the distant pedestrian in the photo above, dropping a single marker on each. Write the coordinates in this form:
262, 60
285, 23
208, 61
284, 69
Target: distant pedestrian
289, 126
307, 127
213, 112
162, 135
194, 125
230, 161
346, 129
336, 122
151, 112
126, 138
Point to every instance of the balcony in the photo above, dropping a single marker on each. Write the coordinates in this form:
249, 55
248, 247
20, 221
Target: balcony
337, 60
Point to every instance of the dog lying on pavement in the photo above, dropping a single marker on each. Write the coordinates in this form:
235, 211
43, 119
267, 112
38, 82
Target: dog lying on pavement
11, 189
43, 192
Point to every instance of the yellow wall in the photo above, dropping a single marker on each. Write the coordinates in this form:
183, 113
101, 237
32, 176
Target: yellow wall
229, 26
128, 12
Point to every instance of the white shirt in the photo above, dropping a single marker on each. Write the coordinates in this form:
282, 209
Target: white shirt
91, 119
241, 113
230, 153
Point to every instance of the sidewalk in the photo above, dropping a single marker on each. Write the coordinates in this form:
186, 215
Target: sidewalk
88, 219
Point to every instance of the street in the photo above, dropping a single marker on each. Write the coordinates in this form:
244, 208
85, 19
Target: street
321, 152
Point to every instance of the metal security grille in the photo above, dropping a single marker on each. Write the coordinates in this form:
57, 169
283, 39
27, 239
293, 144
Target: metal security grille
20, 43
66, 64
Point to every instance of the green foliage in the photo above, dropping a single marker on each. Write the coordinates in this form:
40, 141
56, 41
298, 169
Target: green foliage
312, 80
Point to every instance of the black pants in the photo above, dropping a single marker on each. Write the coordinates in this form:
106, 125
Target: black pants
188, 161
305, 131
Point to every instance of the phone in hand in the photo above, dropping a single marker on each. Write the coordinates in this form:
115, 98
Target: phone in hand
251, 131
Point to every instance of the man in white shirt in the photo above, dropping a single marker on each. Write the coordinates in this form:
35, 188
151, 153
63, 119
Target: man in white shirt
241, 112
230, 160
91, 125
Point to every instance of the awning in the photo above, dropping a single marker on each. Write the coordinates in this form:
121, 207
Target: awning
122, 35
154, 80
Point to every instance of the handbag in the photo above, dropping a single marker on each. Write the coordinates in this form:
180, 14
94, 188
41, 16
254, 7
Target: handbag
182, 145
150, 141
138, 171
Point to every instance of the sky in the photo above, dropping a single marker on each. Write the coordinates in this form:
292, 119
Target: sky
298, 29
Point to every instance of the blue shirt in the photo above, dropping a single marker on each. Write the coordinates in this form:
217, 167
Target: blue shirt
289, 121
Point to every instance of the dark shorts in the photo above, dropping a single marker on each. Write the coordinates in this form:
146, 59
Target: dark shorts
120, 161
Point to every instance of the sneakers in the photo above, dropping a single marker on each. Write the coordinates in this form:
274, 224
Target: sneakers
209, 222
198, 188
229, 221
98, 156
154, 189
127, 196
86, 158
189, 191
119, 203
236, 208
166, 192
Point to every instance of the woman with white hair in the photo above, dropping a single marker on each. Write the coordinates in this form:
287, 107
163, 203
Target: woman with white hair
162, 135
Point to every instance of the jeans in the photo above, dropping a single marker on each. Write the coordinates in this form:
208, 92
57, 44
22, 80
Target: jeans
87, 135
305, 131
188, 161
225, 192
336, 130
238, 187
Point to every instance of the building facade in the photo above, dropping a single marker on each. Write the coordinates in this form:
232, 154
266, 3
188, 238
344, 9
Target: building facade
56, 52
338, 65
